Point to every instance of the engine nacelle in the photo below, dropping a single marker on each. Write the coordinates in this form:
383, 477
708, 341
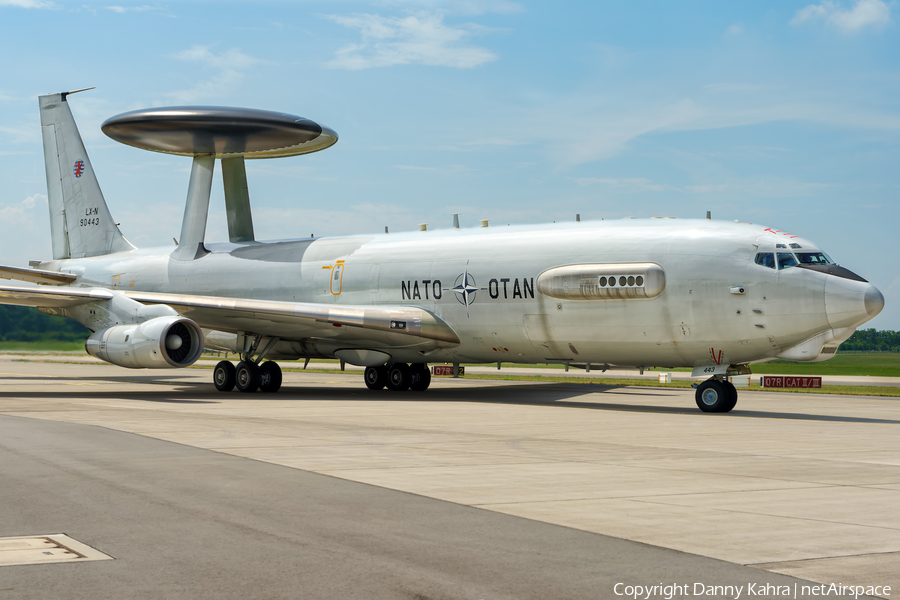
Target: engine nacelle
160, 343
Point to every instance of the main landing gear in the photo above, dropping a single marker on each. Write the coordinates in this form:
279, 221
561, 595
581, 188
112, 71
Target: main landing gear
250, 375
398, 377
247, 376
716, 395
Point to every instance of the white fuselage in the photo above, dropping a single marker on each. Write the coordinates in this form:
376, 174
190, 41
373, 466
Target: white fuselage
483, 283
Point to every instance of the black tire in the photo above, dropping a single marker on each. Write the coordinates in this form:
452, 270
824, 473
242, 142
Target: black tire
269, 377
376, 377
399, 377
223, 376
420, 377
247, 377
732, 396
712, 396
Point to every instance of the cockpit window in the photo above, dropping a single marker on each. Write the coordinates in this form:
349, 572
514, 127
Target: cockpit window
814, 258
785, 260
766, 259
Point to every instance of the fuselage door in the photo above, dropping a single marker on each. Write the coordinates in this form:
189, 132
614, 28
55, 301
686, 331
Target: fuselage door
337, 278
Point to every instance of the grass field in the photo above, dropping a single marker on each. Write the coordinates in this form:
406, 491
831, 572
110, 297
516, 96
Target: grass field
874, 364
41, 346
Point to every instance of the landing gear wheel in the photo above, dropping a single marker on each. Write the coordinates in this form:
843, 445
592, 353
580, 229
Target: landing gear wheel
223, 376
713, 396
376, 377
247, 376
398, 377
420, 377
269, 377
732, 396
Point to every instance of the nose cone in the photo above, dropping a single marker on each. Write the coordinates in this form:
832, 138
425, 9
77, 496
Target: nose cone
874, 301
850, 303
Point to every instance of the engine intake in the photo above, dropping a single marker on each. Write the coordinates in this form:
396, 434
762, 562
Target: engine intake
160, 343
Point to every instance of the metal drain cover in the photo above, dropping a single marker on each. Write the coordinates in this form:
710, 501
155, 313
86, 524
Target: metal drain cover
39, 549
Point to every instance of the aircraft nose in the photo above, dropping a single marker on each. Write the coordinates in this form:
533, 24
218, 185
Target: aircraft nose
874, 301
850, 303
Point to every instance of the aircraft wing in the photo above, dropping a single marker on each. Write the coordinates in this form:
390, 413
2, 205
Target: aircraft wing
300, 320
387, 326
36, 275
55, 297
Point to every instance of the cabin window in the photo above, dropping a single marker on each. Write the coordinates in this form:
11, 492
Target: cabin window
814, 258
766, 259
785, 260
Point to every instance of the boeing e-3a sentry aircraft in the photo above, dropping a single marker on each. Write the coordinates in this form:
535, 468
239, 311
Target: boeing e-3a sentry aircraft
711, 295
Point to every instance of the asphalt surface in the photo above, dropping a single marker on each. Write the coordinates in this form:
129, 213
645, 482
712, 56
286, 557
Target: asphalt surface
184, 522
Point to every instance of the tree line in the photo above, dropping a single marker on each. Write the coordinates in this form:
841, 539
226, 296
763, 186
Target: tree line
872, 340
24, 324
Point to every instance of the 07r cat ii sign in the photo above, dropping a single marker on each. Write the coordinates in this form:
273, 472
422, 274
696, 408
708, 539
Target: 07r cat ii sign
790, 382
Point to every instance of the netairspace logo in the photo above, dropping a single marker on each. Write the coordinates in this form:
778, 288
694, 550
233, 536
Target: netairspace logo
751, 590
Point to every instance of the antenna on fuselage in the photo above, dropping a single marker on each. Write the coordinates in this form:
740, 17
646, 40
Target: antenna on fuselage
232, 135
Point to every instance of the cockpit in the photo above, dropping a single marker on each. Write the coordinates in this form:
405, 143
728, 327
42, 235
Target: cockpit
786, 256
784, 260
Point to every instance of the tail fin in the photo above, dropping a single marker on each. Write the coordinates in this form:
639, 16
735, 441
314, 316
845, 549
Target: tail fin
80, 223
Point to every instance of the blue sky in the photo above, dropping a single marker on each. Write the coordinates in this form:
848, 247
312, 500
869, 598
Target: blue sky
782, 113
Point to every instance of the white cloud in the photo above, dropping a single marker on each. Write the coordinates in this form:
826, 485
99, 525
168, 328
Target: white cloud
768, 187
632, 184
231, 63
459, 7
23, 213
734, 29
232, 58
422, 38
480, 7
27, 3
447, 170
863, 13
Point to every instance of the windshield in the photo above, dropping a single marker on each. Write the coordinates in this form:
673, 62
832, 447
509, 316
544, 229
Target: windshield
785, 260
814, 258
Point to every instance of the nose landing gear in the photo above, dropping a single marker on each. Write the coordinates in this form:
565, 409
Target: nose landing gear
716, 395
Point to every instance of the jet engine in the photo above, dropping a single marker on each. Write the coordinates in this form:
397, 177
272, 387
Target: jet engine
160, 343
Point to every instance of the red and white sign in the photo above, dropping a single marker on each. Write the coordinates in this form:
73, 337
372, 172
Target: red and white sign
782, 381
446, 371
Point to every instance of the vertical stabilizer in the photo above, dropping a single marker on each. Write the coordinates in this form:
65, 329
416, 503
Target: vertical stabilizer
80, 223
